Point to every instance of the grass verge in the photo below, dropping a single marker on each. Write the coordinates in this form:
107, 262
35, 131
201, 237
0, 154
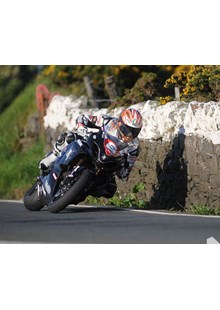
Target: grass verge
18, 167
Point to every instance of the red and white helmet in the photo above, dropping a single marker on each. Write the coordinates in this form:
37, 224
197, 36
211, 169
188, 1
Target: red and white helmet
130, 123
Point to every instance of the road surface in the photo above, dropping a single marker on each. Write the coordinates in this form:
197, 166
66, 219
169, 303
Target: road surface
104, 225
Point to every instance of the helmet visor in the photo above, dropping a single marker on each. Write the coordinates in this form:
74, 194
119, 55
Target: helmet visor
129, 131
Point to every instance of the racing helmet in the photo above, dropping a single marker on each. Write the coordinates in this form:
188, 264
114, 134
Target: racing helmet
130, 123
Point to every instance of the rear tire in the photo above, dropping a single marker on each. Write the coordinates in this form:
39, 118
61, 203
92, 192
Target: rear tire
31, 199
72, 194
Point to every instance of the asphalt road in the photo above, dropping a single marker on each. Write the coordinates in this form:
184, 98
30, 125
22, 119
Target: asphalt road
103, 225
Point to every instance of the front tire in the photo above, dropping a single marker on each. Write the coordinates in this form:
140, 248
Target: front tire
72, 194
31, 199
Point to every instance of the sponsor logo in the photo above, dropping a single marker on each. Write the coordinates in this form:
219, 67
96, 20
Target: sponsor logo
111, 148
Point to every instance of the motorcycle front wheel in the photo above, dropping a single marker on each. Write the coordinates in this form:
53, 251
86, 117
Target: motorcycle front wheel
70, 196
31, 199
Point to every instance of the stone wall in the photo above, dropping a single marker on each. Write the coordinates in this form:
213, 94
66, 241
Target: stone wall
177, 174
203, 168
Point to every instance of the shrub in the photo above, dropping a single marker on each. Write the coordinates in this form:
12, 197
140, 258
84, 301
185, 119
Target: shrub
200, 83
144, 89
131, 199
125, 76
152, 79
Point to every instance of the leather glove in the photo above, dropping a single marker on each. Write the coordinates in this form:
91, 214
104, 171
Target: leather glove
59, 146
70, 137
82, 131
62, 141
123, 174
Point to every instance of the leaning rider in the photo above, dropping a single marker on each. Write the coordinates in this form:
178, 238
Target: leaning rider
122, 130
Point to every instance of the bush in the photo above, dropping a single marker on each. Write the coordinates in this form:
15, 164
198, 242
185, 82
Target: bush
144, 89
201, 83
66, 76
130, 200
152, 81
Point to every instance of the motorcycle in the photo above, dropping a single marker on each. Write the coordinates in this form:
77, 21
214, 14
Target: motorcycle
76, 173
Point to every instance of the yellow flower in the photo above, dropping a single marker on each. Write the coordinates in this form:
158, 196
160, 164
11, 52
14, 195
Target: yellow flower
62, 74
49, 70
164, 100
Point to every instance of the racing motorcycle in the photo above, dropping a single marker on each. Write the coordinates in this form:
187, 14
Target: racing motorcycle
76, 173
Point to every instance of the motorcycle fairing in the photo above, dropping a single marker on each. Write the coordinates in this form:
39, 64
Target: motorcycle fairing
67, 158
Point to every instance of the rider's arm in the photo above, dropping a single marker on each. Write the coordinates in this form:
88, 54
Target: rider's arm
85, 121
89, 121
130, 157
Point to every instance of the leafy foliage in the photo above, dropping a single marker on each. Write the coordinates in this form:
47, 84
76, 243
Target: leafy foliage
129, 200
12, 80
144, 89
125, 77
164, 100
66, 75
200, 83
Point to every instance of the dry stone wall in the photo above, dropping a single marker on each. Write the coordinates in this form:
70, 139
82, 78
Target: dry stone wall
203, 168
177, 174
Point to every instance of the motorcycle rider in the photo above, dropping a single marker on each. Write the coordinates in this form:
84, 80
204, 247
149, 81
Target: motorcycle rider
123, 131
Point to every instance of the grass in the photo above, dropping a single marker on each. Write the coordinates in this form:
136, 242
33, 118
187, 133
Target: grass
17, 176
17, 167
203, 210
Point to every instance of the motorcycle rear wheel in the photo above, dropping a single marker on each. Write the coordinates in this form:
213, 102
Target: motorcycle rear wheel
31, 199
72, 194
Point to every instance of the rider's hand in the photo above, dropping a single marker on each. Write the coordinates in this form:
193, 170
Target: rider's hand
82, 131
123, 174
59, 146
70, 137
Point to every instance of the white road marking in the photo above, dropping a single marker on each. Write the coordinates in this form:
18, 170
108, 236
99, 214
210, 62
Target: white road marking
211, 240
173, 213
